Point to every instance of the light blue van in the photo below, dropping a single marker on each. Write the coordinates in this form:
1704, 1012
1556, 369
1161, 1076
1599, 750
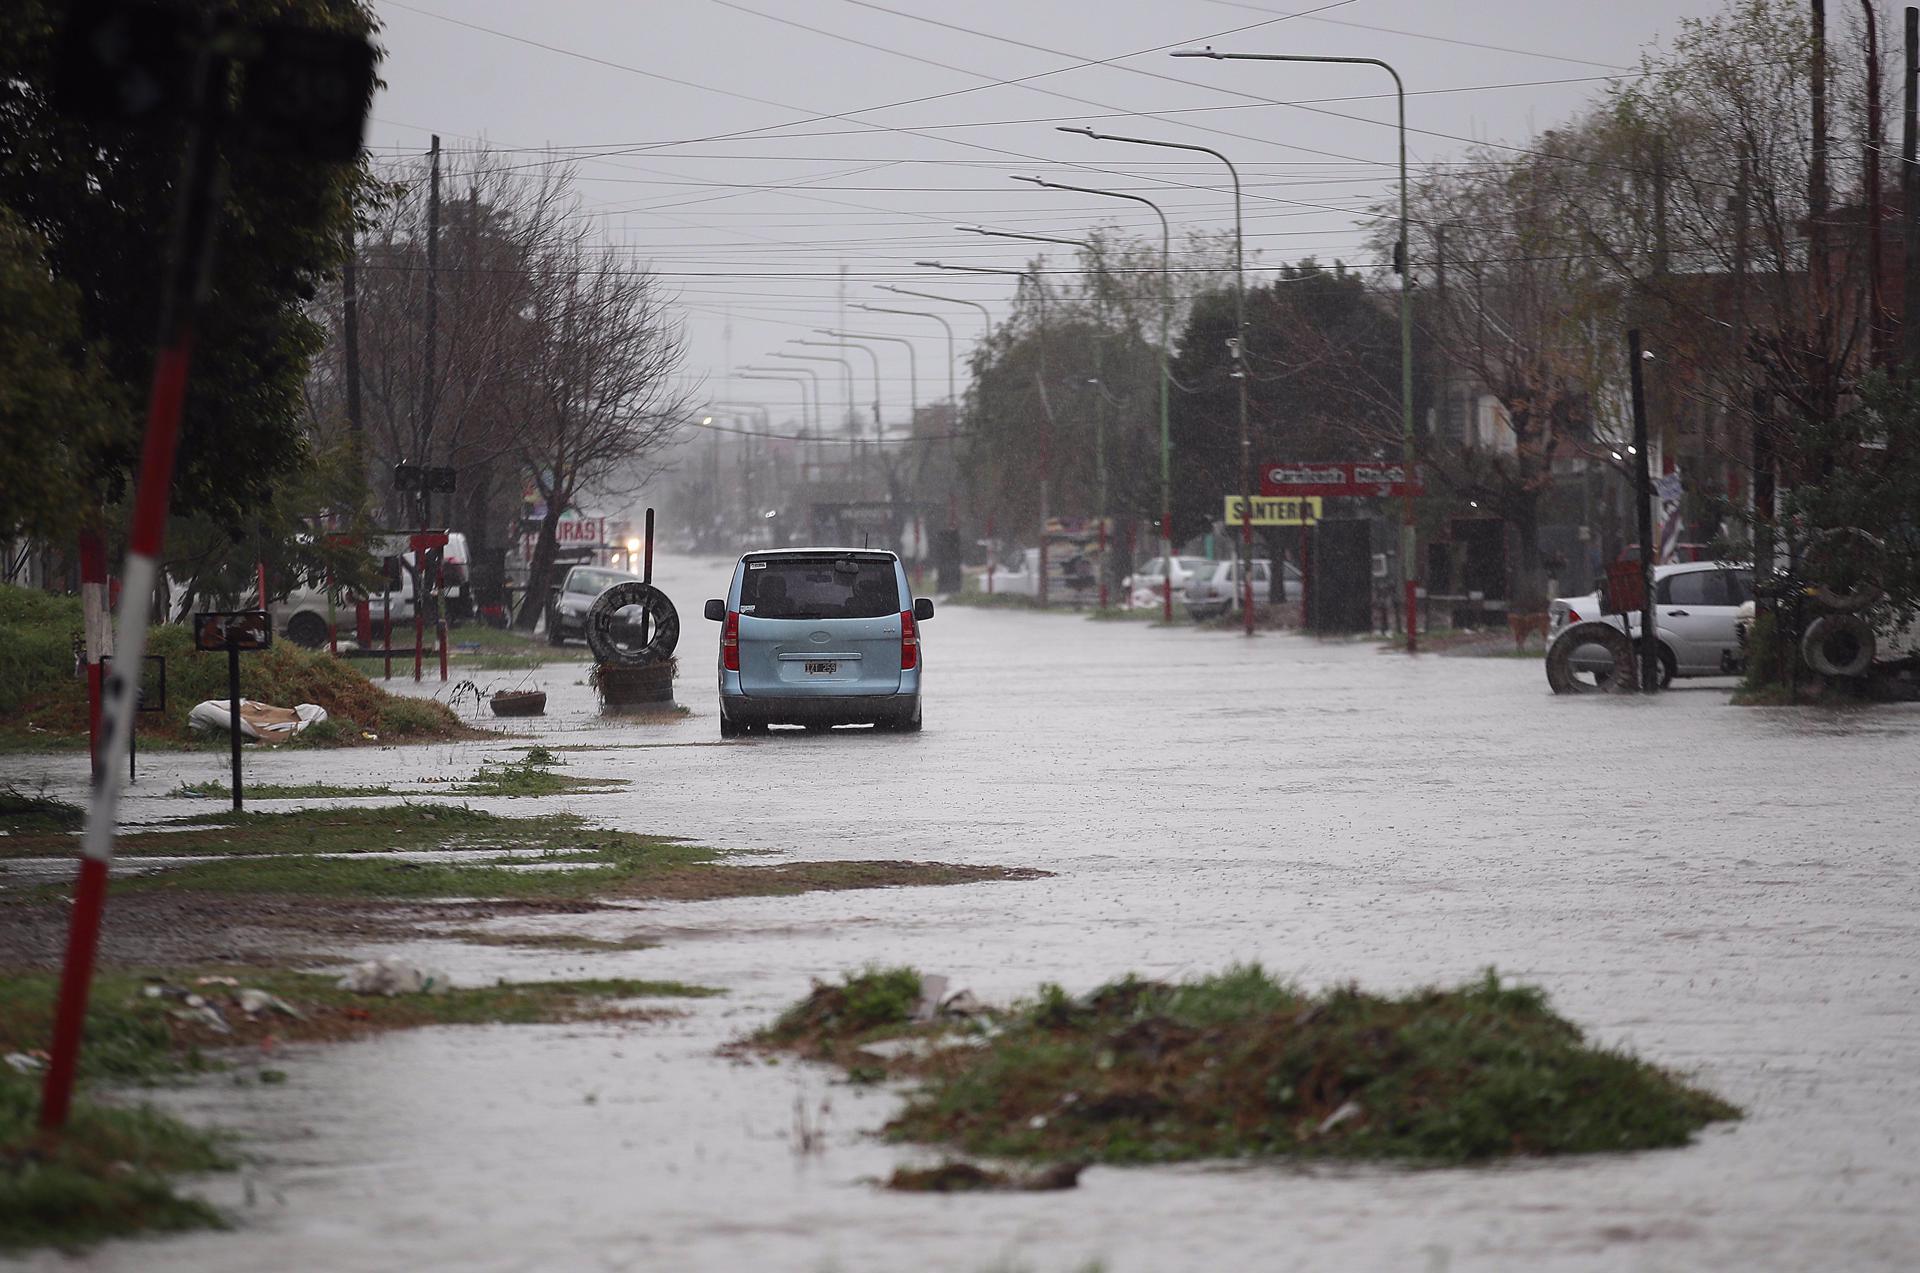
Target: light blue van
819, 637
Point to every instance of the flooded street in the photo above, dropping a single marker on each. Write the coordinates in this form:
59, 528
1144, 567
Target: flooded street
1732, 893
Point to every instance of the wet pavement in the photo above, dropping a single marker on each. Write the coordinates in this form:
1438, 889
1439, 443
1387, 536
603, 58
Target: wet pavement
1729, 892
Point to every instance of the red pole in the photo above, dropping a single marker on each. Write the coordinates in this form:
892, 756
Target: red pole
419, 614
439, 609
990, 554
1410, 570
386, 630
260, 582
1246, 555
1306, 573
1103, 563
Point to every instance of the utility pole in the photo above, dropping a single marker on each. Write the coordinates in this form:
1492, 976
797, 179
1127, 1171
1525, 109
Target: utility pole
1880, 337
1643, 492
427, 386
1817, 171
1910, 198
350, 331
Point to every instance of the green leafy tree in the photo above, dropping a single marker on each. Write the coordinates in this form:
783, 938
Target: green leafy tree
87, 209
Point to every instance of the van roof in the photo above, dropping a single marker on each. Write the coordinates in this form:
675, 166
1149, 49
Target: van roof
824, 550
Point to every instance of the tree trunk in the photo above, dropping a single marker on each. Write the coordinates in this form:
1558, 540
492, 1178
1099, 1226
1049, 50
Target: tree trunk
540, 570
1526, 576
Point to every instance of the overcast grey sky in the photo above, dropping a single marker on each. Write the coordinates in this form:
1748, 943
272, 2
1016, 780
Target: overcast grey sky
748, 150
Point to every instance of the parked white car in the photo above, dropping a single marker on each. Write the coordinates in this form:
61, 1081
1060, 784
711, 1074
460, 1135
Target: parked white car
1696, 616
1072, 577
1220, 592
1149, 579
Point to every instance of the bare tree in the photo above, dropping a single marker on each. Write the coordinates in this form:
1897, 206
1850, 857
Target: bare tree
597, 405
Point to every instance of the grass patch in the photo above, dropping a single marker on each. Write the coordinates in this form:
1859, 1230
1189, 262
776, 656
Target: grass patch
348, 830
133, 1036
1123, 614
1239, 1065
993, 601
281, 854
20, 811
109, 1175
43, 706
531, 776
835, 1019
481, 648
277, 791
106, 1177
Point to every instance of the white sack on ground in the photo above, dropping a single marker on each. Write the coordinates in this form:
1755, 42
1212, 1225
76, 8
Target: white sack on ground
261, 721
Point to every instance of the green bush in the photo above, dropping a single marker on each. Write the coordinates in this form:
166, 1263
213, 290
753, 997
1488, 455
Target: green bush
401, 717
37, 632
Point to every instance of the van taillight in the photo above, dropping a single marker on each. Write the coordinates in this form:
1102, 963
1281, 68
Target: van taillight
909, 642
730, 642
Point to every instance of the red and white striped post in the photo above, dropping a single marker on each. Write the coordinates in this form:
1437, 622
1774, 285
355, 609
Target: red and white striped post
191, 248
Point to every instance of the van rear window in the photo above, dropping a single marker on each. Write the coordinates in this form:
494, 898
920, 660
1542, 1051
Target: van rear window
820, 588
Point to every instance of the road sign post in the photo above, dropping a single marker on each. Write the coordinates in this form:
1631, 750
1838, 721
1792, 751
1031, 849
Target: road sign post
233, 631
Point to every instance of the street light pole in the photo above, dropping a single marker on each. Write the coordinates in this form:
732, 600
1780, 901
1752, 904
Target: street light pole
879, 429
1408, 573
1236, 347
986, 314
812, 378
1099, 417
953, 398
1046, 407
913, 368
846, 369
1166, 319
868, 350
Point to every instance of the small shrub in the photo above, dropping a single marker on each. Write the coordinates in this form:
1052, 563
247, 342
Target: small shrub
401, 717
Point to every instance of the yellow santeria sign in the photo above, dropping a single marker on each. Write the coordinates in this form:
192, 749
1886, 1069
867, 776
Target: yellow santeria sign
1277, 510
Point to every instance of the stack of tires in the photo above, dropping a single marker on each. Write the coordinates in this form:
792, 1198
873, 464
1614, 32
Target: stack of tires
632, 630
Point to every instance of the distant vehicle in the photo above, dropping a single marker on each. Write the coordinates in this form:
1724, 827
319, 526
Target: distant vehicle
1149, 580
1072, 576
308, 613
1696, 616
819, 637
574, 597
455, 576
1220, 592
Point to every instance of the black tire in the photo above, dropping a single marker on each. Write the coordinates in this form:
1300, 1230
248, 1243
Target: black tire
659, 620
1834, 645
1621, 678
727, 728
307, 630
555, 636
912, 724
1668, 668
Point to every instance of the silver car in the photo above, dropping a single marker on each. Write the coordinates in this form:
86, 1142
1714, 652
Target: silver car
1696, 607
819, 637
1219, 593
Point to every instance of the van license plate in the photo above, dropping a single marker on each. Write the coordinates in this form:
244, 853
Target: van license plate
824, 667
